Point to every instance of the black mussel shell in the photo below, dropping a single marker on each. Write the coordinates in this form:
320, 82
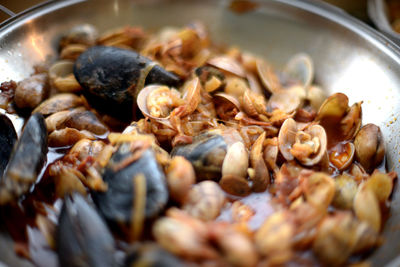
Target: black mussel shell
116, 203
110, 75
151, 255
83, 238
8, 136
206, 154
26, 160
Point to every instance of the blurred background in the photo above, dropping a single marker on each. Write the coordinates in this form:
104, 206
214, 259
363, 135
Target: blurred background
357, 8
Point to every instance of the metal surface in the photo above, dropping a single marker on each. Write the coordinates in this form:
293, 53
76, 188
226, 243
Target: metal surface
349, 56
378, 12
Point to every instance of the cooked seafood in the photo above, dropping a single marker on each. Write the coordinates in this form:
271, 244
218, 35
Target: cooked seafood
164, 149
8, 136
82, 237
26, 160
115, 76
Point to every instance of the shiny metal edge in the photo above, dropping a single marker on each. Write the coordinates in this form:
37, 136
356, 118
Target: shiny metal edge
326, 10
35, 11
7, 11
346, 20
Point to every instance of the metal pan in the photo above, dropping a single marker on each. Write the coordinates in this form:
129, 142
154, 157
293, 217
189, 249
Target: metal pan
349, 56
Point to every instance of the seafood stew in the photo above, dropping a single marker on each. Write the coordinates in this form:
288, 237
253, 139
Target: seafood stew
166, 148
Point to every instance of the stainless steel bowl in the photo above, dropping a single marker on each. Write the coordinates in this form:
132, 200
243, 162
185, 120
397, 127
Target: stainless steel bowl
349, 56
378, 12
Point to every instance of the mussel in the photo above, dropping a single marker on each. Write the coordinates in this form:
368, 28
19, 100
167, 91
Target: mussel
206, 153
83, 238
7, 140
126, 189
26, 160
112, 77
8, 256
151, 255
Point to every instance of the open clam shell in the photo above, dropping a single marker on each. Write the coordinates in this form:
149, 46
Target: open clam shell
142, 102
299, 70
227, 64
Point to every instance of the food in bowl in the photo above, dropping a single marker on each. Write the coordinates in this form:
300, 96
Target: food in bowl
165, 148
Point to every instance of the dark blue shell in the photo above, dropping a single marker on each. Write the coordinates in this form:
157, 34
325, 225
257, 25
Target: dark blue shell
26, 160
109, 76
116, 203
83, 238
8, 136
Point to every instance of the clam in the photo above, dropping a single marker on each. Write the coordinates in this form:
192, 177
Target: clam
341, 155
235, 86
260, 177
381, 184
346, 189
72, 51
334, 108
83, 238
253, 104
366, 206
158, 102
299, 70
287, 100
58, 103
236, 247
180, 178
268, 77
235, 185
318, 188
8, 136
227, 106
351, 123
62, 77
274, 238
204, 201
315, 96
129, 37
26, 160
271, 153
85, 34
369, 146
339, 236
211, 78
340, 121
31, 91
286, 137
308, 146
68, 136
184, 236
228, 65
78, 118
191, 96
112, 78
236, 160
162, 95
